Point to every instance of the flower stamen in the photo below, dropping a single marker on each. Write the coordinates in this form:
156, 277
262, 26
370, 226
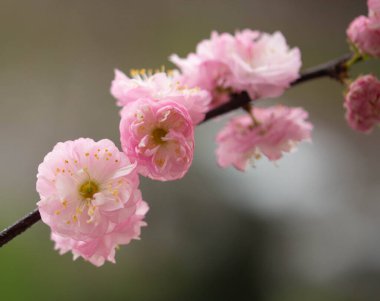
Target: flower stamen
88, 189
158, 134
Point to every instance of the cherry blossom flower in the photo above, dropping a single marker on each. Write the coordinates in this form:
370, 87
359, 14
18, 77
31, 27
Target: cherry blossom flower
362, 103
364, 32
87, 191
365, 38
159, 136
259, 63
265, 131
159, 87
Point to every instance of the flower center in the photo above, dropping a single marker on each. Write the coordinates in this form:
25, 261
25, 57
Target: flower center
88, 189
223, 90
158, 134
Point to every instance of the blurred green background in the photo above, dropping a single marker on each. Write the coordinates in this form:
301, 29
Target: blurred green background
305, 228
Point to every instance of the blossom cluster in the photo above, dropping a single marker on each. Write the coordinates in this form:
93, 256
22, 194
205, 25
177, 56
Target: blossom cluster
157, 122
362, 99
89, 191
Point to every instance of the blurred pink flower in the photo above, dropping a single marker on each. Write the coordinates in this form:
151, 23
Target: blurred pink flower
364, 32
268, 131
364, 37
160, 87
87, 189
102, 249
362, 103
159, 136
266, 67
259, 63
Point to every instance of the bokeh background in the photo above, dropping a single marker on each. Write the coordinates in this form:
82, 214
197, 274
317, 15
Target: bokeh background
306, 228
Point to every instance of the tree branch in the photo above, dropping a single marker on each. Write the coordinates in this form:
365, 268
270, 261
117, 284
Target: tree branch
20, 226
335, 69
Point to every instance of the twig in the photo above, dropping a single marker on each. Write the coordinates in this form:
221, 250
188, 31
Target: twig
20, 226
335, 69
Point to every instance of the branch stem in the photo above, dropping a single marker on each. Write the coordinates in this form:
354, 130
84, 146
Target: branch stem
20, 226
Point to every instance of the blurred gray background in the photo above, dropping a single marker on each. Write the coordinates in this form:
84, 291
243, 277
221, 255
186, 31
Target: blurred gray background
305, 228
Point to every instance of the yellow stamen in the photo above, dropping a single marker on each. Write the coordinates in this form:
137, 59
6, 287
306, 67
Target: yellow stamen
88, 189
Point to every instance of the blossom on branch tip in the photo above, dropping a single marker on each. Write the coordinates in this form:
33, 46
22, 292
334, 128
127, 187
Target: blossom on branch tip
88, 190
365, 38
264, 131
261, 64
364, 32
159, 136
362, 103
159, 87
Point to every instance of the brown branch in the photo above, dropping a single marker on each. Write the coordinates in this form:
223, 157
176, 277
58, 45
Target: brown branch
335, 69
20, 226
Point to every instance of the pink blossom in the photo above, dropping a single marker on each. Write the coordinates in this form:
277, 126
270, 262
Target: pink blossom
366, 38
98, 250
268, 131
362, 103
267, 68
259, 63
364, 32
160, 87
87, 189
159, 136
